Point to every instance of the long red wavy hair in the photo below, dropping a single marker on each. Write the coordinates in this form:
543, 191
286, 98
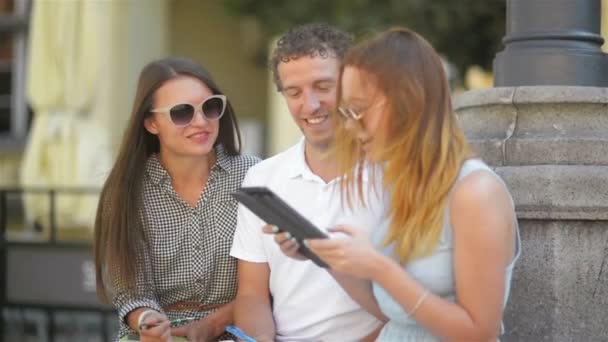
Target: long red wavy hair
420, 144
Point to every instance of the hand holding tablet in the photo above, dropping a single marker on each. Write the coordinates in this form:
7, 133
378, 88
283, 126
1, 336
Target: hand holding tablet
274, 211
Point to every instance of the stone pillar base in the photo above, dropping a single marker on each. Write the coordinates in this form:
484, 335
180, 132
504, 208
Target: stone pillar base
550, 144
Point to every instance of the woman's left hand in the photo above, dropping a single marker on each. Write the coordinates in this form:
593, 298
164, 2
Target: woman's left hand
353, 255
197, 331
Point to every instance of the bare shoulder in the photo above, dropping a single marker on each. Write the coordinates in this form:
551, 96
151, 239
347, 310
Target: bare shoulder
481, 202
480, 188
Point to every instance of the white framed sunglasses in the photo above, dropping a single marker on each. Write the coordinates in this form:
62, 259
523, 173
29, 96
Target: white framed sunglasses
182, 114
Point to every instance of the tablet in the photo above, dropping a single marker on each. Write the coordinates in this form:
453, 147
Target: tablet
273, 210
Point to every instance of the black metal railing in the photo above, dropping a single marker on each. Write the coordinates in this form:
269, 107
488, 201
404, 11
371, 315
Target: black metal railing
47, 274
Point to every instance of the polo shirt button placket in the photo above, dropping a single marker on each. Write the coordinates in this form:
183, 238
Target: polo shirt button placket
326, 188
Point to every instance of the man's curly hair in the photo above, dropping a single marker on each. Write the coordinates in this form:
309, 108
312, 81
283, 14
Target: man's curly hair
315, 39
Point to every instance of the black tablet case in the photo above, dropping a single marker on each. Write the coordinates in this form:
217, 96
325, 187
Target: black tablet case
273, 210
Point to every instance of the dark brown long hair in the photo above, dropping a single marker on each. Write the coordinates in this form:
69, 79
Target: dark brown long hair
118, 225
422, 147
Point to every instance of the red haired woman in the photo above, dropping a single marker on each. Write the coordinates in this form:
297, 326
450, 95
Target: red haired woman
440, 268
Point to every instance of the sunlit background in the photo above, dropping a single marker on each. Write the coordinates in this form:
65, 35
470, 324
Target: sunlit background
68, 71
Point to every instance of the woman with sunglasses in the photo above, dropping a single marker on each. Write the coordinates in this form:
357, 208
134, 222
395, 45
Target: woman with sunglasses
440, 267
166, 217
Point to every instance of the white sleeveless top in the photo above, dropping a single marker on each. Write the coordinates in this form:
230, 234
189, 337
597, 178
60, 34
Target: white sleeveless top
435, 272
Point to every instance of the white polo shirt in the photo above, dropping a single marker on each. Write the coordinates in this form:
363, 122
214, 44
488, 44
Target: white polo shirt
308, 304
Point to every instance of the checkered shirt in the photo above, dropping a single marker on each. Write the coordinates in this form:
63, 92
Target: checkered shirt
187, 256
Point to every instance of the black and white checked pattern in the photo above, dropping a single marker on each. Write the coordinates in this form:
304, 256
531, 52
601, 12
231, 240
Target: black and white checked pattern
188, 253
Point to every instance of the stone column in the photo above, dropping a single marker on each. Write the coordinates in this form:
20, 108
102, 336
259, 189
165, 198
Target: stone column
545, 130
550, 145
552, 42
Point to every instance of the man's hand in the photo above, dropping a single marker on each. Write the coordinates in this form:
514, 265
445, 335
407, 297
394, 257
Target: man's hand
288, 244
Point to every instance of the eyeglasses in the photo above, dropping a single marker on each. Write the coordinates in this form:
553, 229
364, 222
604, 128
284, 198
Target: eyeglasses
182, 114
349, 113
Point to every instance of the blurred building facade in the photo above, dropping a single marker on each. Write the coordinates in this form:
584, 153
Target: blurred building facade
147, 30
202, 30
80, 76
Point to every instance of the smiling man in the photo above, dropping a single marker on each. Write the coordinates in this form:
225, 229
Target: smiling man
280, 298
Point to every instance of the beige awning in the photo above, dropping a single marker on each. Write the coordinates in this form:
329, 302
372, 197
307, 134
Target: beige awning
80, 91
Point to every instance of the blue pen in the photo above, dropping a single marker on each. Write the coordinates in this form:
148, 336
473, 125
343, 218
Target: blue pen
239, 333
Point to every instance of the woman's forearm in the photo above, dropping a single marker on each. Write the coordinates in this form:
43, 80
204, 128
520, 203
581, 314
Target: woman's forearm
220, 319
253, 315
360, 290
133, 317
441, 317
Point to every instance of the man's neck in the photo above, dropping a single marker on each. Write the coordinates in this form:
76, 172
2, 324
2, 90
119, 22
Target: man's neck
320, 162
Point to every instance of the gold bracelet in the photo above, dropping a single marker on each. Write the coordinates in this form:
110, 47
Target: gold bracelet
419, 302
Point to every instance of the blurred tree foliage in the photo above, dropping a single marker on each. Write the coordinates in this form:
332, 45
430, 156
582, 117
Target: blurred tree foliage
466, 31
